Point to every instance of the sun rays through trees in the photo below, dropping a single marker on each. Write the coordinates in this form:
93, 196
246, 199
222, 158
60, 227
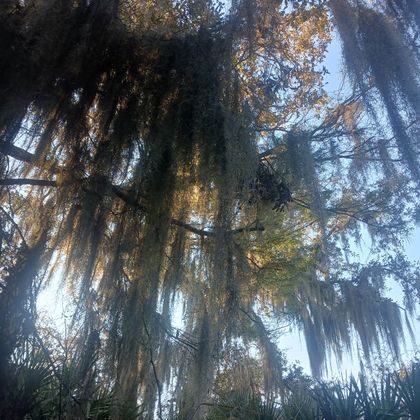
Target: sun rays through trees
164, 157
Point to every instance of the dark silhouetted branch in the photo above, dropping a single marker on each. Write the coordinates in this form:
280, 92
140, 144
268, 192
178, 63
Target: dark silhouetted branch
28, 181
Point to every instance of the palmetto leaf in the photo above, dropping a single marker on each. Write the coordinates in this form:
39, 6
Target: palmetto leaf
408, 386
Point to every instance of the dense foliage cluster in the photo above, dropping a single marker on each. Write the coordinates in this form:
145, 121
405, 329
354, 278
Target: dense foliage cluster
393, 395
181, 169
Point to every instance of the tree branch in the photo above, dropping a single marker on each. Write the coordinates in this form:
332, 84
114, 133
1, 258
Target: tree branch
158, 383
130, 200
16, 152
16, 226
28, 181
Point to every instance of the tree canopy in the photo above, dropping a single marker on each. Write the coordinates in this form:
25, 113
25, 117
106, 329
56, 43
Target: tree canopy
184, 159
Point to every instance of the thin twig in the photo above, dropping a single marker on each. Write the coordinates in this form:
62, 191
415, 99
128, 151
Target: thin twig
158, 384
